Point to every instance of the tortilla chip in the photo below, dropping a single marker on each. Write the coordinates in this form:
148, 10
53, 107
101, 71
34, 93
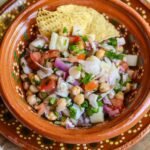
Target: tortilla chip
91, 21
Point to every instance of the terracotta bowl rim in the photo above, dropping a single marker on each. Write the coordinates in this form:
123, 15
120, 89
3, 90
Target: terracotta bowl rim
128, 123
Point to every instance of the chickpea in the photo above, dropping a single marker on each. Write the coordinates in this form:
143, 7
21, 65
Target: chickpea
31, 99
104, 87
75, 90
33, 89
119, 95
52, 116
79, 99
100, 53
28, 93
61, 104
128, 87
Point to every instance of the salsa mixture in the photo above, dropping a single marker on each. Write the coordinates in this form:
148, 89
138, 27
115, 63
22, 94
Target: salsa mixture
73, 80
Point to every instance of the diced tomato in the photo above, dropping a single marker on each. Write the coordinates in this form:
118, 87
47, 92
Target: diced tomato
50, 54
48, 85
74, 39
91, 86
118, 103
36, 56
31, 63
81, 56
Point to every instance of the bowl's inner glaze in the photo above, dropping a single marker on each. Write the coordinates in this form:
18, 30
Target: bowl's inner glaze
21, 33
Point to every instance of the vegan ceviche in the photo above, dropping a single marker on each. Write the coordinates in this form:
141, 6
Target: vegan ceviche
74, 80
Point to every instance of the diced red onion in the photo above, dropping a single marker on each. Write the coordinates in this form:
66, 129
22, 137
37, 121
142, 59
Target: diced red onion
61, 65
76, 82
107, 101
88, 46
112, 113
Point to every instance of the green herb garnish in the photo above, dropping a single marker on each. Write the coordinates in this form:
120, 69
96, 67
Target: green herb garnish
85, 38
112, 55
79, 68
65, 42
43, 95
65, 30
113, 42
76, 49
56, 113
52, 100
73, 112
91, 110
85, 104
100, 103
88, 77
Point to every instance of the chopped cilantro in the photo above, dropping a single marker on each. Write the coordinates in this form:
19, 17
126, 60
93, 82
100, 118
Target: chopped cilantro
65, 30
52, 100
43, 95
85, 104
55, 69
118, 88
79, 68
113, 42
112, 55
88, 77
73, 112
85, 38
56, 113
76, 49
65, 42
100, 103
99, 97
92, 110
73, 47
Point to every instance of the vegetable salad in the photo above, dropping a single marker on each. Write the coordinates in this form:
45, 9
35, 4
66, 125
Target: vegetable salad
74, 81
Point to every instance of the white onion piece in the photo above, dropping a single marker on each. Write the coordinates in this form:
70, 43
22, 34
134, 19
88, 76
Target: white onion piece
74, 72
98, 117
124, 77
108, 47
121, 41
42, 74
53, 41
79, 111
92, 65
77, 30
62, 43
39, 42
31, 100
93, 100
132, 60
25, 66
62, 88
69, 124
113, 75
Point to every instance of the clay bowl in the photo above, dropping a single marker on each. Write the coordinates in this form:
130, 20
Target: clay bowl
16, 103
